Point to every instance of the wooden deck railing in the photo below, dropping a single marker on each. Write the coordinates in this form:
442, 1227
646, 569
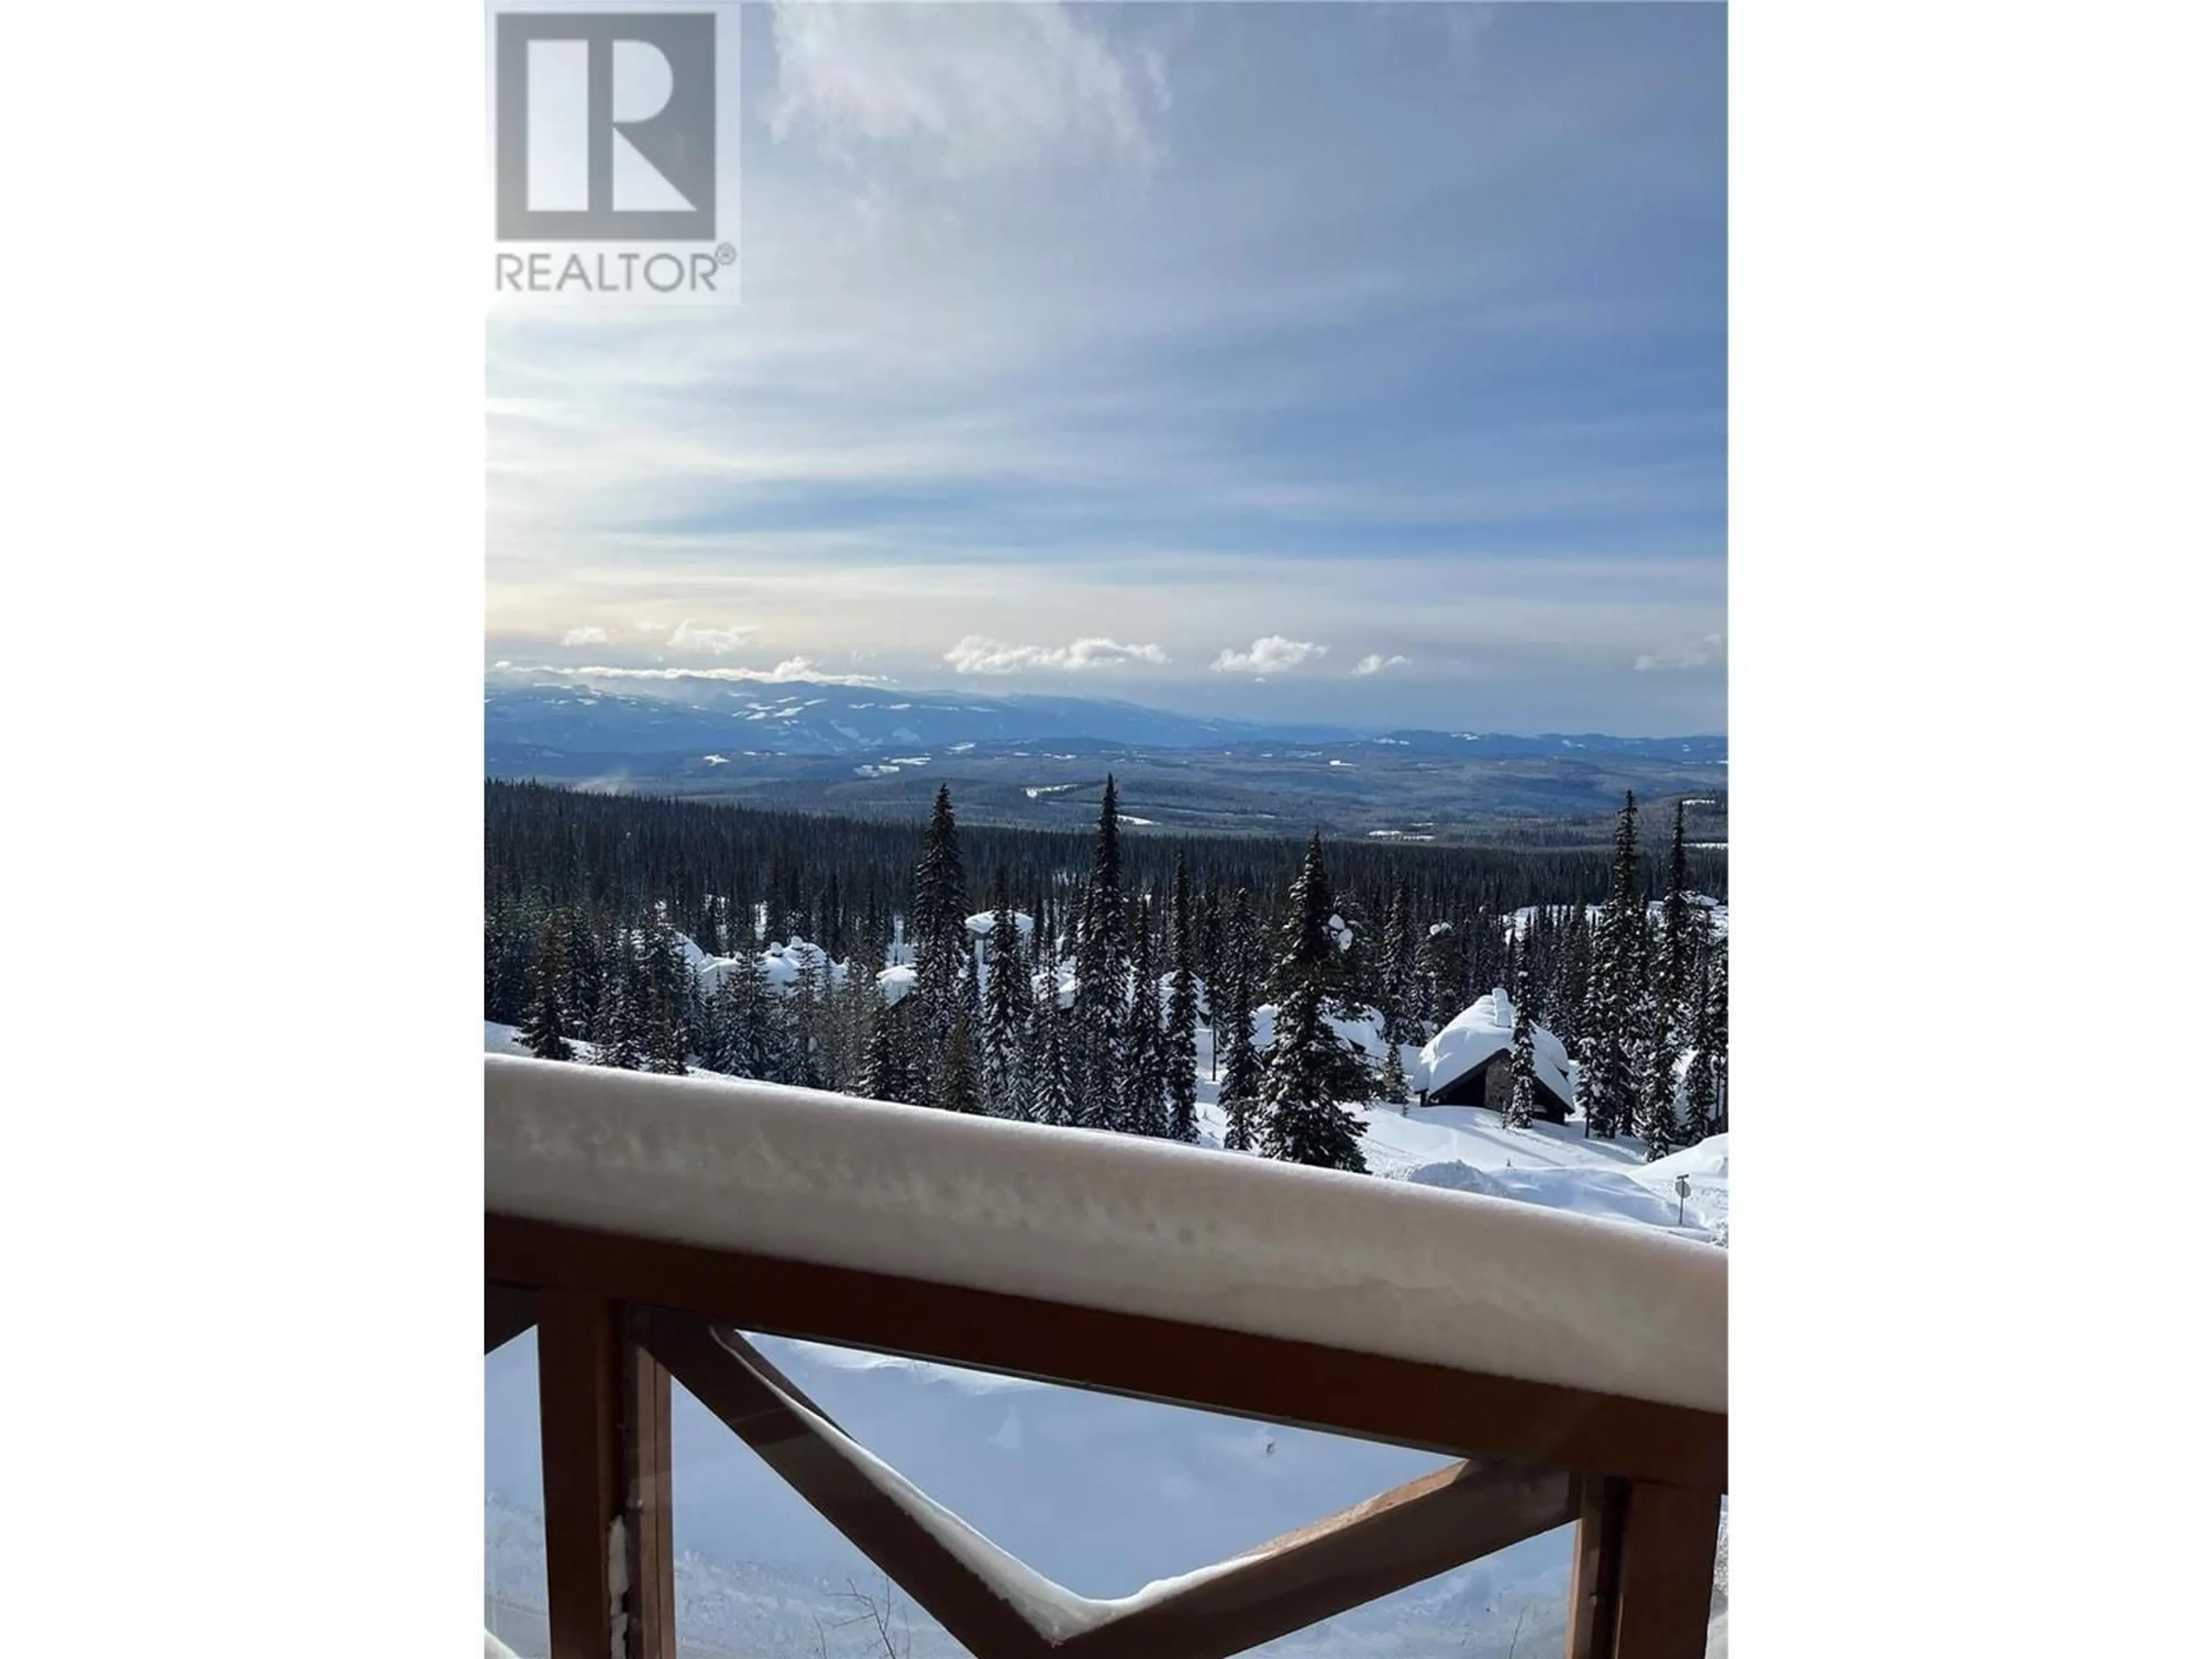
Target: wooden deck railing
619, 1315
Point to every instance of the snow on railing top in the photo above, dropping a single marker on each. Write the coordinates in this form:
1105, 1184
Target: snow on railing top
1112, 1222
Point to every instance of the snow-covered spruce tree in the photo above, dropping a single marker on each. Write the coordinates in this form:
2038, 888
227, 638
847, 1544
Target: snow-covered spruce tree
1438, 970
1716, 1020
749, 1027
545, 1031
798, 1025
1144, 1057
1612, 1085
855, 1007
1310, 1066
1570, 986
889, 1072
1392, 1086
1701, 1100
938, 926
1102, 980
1609, 1015
668, 993
1520, 1104
1021, 1099
1657, 1124
1052, 1100
509, 939
1006, 1010
617, 1034
1182, 1039
1309, 1069
1585, 1082
953, 1086
716, 1043
1349, 960
1398, 972
1677, 936
1239, 1060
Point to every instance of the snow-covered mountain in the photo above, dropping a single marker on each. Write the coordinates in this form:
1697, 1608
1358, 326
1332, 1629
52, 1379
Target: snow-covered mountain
697, 715
578, 716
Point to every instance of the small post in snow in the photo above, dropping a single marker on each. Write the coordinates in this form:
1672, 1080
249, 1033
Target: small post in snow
1681, 1197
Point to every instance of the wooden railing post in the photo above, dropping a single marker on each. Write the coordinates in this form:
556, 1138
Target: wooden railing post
1643, 1571
602, 1428
1593, 1593
647, 1451
1667, 1571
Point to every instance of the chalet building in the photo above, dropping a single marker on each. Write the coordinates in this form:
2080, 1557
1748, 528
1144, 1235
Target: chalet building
1470, 1062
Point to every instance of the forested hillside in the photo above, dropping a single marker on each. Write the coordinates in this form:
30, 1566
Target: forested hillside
856, 955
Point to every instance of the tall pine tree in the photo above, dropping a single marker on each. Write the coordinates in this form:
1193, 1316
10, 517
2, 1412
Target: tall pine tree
1102, 979
1612, 1015
1180, 1052
1239, 1060
545, 1032
939, 927
1006, 1010
1520, 1104
1310, 1066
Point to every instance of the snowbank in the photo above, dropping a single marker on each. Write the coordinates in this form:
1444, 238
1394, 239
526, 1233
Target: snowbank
1710, 1156
1112, 1222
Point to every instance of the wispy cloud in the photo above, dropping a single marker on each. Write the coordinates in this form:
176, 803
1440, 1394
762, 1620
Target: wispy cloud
976, 655
973, 89
720, 641
576, 636
1376, 663
1270, 654
1704, 653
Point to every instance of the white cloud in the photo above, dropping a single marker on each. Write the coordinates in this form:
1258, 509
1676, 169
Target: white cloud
585, 636
1375, 663
1706, 652
651, 628
791, 668
1270, 654
979, 88
719, 640
976, 655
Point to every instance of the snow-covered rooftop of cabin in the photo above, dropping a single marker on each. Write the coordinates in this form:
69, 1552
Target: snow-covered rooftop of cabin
1112, 1222
1481, 1031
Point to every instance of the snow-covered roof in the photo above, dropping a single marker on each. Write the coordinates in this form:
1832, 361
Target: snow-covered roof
779, 962
981, 923
1115, 1222
1482, 1031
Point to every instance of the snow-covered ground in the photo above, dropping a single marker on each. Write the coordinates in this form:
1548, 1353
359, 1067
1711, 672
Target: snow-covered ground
1553, 1164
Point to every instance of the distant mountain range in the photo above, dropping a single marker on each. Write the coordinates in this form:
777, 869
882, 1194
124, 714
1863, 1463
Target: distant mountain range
701, 718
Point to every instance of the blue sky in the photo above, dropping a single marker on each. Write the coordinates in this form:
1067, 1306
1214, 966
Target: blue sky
1362, 362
